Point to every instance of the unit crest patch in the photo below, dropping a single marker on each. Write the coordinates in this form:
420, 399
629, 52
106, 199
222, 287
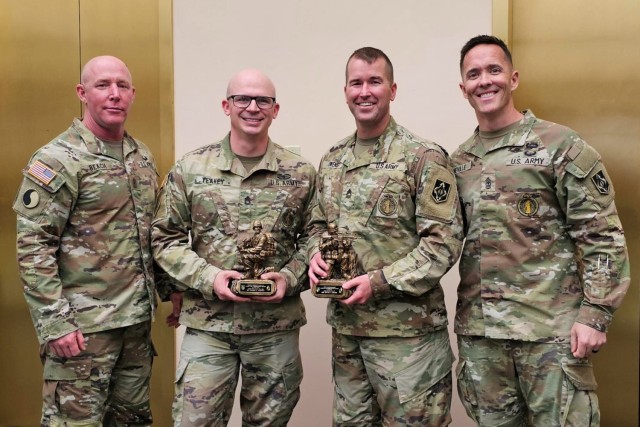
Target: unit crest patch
528, 205
601, 183
440, 192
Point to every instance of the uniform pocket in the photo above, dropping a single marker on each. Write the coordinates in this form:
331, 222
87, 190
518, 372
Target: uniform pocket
292, 375
579, 403
60, 369
420, 377
466, 389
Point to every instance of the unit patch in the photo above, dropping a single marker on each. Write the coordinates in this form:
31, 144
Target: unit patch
30, 199
440, 192
288, 218
388, 205
528, 205
601, 183
41, 172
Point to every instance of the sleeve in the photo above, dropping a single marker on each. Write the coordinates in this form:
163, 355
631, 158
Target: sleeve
317, 220
438, 222
170, 239
586, 194
43, 208
295, 270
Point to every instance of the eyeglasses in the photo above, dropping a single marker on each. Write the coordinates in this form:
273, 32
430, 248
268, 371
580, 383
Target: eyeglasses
243, 101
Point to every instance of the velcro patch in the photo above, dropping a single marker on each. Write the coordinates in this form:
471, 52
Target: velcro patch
41, 172
439, 195
440, 192
601, 182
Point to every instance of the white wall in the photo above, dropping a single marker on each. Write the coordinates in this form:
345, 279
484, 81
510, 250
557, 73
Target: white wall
303, 47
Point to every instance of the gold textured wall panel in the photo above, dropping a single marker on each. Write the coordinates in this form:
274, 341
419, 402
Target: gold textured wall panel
44, 45
579, 62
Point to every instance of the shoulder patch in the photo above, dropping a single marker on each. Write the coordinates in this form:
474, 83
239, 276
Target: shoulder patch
32, 199
584, 159
41, 172
438, 196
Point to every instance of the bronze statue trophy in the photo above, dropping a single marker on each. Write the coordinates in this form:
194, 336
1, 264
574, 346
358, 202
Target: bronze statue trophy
337, 251
253, 253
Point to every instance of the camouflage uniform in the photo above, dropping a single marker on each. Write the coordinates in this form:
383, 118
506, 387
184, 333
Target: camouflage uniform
83, 248
544, 249
209, 197
401, 204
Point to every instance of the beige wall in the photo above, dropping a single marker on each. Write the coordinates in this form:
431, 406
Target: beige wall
303, 46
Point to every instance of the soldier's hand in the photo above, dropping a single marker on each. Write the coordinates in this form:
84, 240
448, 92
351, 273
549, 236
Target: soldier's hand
281, 288
68, 345
173, 319
361, 287
317, 268
585, 340
221, 286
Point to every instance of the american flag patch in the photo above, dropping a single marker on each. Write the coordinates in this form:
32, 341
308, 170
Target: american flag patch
41, 172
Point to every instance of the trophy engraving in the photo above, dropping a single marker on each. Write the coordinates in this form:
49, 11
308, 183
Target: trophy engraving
337, 251
253, 253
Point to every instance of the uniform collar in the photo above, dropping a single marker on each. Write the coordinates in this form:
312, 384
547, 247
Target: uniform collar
380, 149
94, 145
516, 138
227, 161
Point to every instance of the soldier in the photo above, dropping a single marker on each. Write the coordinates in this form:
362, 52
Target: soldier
544, 264
207, 205
84, 218
255, 250
330, 249
391, 353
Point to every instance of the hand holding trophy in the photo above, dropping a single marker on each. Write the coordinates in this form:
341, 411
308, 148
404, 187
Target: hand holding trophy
253, 253
337, 252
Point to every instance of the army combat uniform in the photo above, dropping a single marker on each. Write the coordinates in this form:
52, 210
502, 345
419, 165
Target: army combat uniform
401, 204
83, 246
544, 249
209, 198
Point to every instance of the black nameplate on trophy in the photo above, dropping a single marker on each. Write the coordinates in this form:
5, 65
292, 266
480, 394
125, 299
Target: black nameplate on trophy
331, 289
253, 287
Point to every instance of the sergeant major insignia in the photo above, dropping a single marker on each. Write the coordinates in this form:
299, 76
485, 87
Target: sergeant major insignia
528, 205
601, 183
440, 192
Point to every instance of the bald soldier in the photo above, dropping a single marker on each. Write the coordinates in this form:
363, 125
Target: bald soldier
84, 225
208, 205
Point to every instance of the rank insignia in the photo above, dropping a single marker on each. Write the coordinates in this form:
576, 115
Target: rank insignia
440, 192
387, 205
601, 182
30, 199
41, 172
528, 205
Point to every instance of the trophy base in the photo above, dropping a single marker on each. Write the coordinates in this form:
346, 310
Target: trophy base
253, 287
331, 289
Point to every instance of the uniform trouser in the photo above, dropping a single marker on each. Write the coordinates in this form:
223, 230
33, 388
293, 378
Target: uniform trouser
207, 377
107, 384
517, 383
393, 381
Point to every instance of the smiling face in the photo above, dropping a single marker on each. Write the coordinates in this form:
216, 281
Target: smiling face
369, 92
107, 92
488, 80
251, 122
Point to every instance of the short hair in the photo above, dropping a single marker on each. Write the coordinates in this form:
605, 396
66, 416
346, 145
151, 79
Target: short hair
370, 55
484, 39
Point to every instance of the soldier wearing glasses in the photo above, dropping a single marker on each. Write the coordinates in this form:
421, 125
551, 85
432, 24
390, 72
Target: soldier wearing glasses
208, 204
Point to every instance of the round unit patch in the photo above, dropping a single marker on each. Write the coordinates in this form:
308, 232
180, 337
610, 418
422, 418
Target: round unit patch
387, 205
30, 199
528, 205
